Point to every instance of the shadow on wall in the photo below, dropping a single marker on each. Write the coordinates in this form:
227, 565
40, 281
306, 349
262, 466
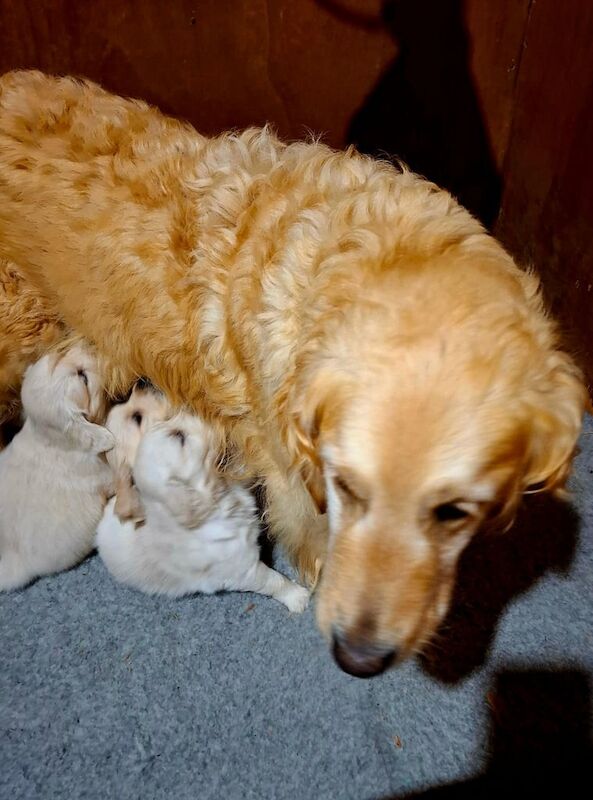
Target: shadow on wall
424, 109
540, 740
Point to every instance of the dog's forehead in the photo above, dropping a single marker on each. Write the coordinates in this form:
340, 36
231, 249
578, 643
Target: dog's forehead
415, 448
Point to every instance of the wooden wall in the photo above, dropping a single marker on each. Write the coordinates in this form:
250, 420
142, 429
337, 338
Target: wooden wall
546, 217
491, 98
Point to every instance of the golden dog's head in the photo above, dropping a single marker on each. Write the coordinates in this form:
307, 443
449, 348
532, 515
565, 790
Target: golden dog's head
416, 436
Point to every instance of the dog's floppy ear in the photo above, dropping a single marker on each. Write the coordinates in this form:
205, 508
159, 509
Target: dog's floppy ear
311, 410
554, 418
128, 505
311, 468
186, 504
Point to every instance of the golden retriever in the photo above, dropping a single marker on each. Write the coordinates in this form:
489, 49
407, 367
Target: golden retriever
355, 336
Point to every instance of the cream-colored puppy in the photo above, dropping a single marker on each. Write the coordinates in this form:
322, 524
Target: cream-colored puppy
200, 532
53, 481
128, 422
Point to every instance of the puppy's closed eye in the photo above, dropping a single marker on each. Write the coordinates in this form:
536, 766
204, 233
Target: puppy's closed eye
180, 435
137, 418
82, 374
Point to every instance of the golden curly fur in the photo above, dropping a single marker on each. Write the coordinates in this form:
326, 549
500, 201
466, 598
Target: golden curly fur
28, 327
353, 333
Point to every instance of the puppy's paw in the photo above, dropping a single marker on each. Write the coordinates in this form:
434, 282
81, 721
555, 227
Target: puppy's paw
100, 440
90, 436
294, 597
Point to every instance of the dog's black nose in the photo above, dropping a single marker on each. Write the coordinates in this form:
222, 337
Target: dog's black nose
361, 659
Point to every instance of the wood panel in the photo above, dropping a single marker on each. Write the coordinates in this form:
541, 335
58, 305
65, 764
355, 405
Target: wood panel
218, 63
444, 101
547, 212
341, 68
496, 32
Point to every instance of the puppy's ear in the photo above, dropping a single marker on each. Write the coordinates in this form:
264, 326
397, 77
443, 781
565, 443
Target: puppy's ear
187, 506
88, 435
128, 505
554, 420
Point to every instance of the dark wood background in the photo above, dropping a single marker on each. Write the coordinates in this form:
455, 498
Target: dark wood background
491, 98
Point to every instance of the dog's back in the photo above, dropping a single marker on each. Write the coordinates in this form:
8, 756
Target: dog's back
196, 262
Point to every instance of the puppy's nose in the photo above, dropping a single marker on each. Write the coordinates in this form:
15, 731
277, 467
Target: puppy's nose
361, 658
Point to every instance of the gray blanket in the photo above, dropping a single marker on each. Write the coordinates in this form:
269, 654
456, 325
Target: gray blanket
106, 693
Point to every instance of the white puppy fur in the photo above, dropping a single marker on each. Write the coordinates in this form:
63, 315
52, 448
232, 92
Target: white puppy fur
128, 422
200, 532
53, 481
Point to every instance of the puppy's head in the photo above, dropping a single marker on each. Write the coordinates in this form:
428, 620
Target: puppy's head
63, 393
128, 422
417, 442
176, 465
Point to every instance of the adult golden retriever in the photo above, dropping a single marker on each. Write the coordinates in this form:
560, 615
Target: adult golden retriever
354, 334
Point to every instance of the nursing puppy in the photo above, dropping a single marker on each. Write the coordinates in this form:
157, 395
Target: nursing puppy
356, 338
53, 481
200, 532
128, 422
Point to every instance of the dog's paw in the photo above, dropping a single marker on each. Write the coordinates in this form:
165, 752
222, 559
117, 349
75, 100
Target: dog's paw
294, 597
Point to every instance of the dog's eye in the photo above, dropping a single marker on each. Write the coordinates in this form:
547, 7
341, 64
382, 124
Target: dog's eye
179, 435
137, 418
450, 512
347, 491
342, 486
82, 374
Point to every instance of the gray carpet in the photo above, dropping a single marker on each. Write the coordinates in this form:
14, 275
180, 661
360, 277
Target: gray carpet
106, 693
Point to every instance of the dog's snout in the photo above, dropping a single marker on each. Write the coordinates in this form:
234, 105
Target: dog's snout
361, 658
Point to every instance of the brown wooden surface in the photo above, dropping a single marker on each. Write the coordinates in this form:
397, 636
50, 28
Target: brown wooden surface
496, 33
300, 64
547, 212
222, 63
218, 63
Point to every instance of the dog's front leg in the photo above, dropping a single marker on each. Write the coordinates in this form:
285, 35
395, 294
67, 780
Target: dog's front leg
296, 524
